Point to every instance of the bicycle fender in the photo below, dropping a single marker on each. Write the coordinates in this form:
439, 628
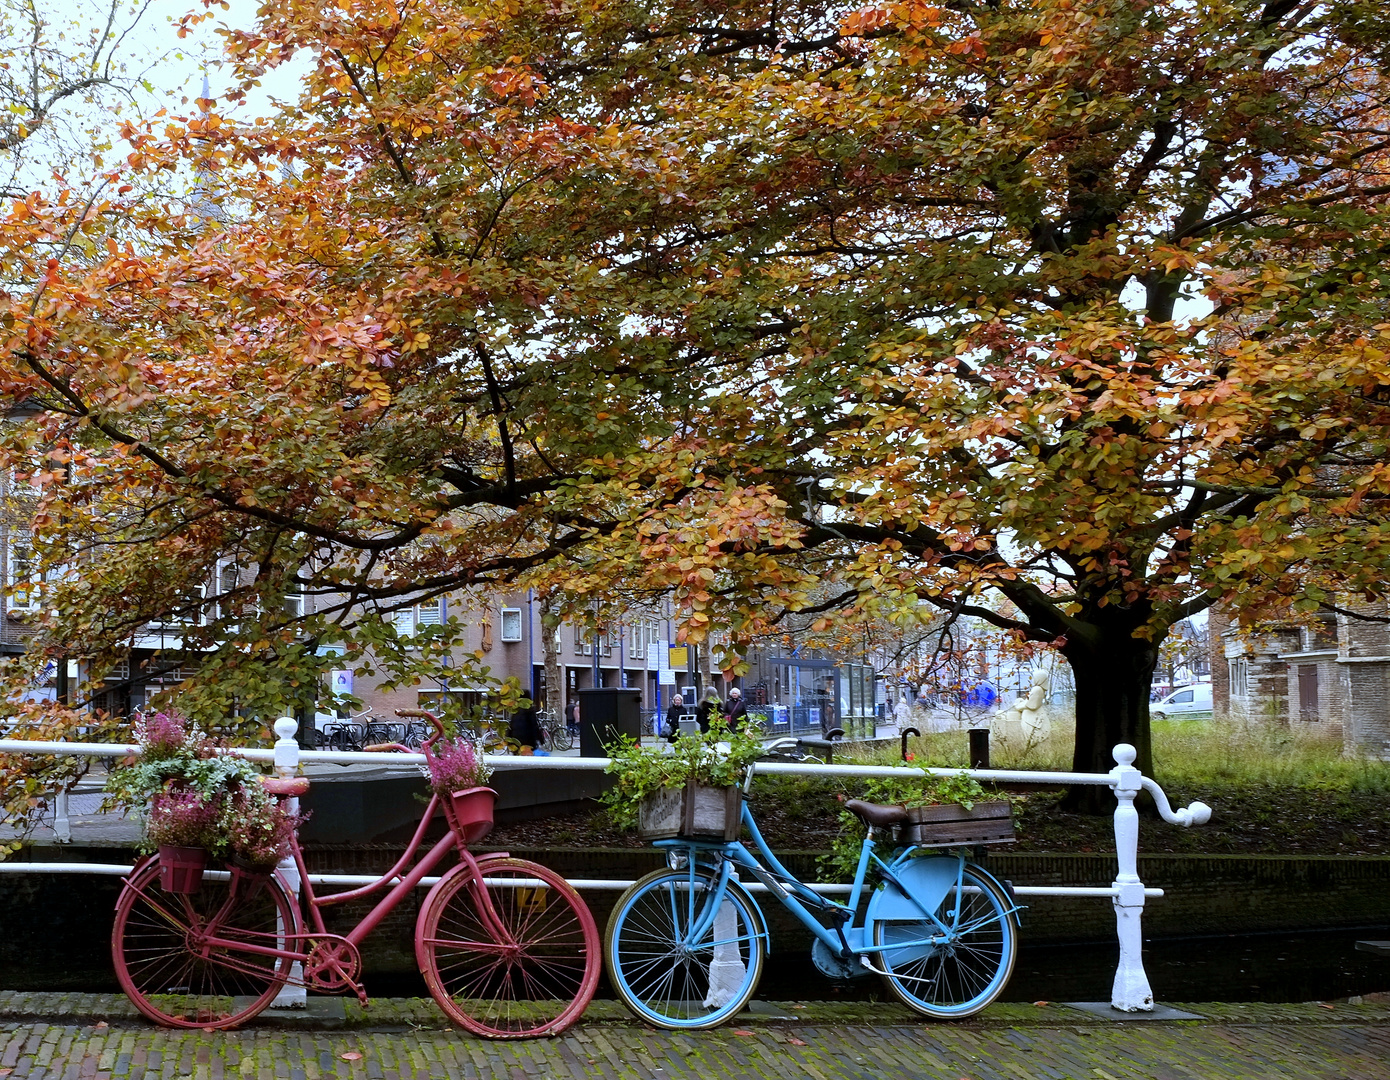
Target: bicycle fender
928, 880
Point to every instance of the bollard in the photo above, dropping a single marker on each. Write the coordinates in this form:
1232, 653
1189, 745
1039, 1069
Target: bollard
62, 823
1131, 992
979, 748
293, 995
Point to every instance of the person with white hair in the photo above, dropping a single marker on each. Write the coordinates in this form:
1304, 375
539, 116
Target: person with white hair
735, 709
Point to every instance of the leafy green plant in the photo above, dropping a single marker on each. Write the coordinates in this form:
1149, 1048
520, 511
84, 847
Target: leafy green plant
912, 790
716, 758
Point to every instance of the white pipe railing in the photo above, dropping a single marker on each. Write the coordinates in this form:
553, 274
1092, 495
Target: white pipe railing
1131, 991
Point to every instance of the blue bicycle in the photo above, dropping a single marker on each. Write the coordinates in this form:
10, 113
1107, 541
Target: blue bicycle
685, 945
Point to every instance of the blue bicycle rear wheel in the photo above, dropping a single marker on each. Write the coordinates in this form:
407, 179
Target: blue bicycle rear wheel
951, 975
662, 975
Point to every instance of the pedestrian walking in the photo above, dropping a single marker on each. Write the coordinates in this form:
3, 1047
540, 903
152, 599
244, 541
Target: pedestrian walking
572, 717
674, 713
735, 709
710, 709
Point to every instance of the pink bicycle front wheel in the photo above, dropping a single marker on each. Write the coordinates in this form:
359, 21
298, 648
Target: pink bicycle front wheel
538, 983
181, 957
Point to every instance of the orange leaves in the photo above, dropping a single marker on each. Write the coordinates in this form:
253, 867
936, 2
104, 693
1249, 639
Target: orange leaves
971, 46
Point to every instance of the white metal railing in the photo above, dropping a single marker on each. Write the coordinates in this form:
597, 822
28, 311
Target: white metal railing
1131, 991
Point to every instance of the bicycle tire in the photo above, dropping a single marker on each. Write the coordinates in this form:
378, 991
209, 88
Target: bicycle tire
559, 738
642, 942
958, 979
544, 986
152, 949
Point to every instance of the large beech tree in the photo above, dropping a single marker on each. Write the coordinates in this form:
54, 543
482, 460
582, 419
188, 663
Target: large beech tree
846, 310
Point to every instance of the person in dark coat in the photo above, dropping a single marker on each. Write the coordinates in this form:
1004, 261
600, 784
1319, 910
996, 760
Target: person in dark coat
710, 709
735, 710
526, 727
572, 716
672, 723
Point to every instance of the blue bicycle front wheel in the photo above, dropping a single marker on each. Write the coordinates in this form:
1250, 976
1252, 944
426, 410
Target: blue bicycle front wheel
666, 975
952, 974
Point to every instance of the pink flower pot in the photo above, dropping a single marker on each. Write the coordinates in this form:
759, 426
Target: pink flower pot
471, 812
181, 868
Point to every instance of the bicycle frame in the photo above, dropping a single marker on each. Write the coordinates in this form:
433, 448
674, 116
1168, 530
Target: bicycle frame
404, 884
845, 938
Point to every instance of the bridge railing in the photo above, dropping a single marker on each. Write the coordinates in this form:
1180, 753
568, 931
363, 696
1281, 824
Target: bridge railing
1131, 991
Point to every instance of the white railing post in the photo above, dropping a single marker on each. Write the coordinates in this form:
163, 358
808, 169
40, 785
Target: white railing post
293, 995
1131, 992
62, 823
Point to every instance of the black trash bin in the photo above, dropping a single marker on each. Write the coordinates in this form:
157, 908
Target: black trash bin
606, 713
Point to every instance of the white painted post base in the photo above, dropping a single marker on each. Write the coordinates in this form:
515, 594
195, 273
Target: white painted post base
62, 822
292, 995
1131, 992
726, 970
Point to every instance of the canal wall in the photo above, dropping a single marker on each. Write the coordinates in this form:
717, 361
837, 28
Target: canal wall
55, 929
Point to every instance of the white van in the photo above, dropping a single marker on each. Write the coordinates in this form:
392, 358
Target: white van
1194, 700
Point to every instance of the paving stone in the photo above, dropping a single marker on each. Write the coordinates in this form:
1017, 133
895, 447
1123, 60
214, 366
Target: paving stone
821, 1042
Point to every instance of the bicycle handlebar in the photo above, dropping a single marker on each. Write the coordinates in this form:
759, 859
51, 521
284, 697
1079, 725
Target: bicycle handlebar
421, 714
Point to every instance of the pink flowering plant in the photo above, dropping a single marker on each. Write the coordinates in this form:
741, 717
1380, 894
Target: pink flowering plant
258, 827
185, 819
185, 786
455, 765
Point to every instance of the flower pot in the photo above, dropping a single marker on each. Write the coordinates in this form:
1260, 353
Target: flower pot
181, 868
470, 812
693, 812
955, 826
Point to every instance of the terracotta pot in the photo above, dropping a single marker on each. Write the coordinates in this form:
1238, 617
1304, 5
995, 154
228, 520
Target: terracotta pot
181, 868
471, 812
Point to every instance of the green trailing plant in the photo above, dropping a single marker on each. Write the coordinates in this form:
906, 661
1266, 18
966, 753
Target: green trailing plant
716, 758
911, 790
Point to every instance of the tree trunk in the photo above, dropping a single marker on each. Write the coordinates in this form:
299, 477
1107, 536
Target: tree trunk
554, 687
1113, 675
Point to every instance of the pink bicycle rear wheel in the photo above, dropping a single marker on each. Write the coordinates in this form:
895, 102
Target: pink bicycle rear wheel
179, 956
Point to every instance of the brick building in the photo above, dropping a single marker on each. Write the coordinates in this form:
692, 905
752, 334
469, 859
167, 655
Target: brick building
1334, 671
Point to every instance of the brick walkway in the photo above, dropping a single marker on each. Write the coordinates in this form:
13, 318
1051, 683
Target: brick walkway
406, 1039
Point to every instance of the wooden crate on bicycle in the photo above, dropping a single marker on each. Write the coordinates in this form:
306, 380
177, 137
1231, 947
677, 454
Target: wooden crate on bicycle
693, 812
954, 826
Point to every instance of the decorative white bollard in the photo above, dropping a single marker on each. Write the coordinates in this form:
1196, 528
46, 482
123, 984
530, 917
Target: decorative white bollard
293, 995
726, 970
62, 822
1131, 992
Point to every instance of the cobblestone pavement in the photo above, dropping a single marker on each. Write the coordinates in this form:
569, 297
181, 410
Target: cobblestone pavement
65, 1036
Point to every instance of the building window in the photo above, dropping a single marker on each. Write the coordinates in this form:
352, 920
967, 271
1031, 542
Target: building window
511, 624
409, 620
637, 640
1240, 677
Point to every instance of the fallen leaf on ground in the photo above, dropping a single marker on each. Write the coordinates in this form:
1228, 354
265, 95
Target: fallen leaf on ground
741, 1032
1324, 1005
1042, 1004
351, 1055
102, 1024
796, 1042
6, 1072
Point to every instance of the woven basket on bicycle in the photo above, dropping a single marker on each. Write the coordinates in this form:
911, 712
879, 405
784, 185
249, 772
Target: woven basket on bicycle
948, 825
692, 812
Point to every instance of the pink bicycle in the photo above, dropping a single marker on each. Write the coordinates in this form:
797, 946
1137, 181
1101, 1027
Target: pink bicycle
508, 949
